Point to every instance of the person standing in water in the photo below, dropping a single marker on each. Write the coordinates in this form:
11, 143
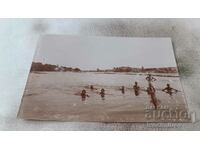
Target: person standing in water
123, 90
102, 93
91, 87
152, 92
150, 78
84, 94
169, 90
136, 89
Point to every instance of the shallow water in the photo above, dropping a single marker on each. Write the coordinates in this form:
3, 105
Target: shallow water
53, 96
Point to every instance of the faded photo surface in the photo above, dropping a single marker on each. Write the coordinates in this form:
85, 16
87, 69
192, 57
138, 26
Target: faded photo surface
104, 79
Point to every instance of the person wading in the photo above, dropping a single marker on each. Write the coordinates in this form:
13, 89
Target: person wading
152, 92
136, 89
102, 93
122, 89
169, 90
84, 95
150, 78
92, 88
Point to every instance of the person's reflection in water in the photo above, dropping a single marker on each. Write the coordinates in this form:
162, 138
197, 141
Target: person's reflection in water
102, 93
136, 89
84, 95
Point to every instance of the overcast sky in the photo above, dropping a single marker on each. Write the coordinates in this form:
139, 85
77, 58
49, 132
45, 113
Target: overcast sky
104, 52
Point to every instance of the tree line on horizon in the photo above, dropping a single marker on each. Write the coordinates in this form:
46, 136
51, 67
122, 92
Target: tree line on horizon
37, 66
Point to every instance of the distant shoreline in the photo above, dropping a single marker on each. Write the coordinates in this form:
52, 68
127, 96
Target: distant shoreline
38, 66
116, 73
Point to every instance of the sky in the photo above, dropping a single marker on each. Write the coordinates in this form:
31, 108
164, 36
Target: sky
90, 52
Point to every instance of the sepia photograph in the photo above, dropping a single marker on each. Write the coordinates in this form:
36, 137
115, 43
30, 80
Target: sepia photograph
104, 79
92, 66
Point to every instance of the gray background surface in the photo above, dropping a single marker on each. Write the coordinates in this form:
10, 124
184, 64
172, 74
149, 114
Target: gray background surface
18, 42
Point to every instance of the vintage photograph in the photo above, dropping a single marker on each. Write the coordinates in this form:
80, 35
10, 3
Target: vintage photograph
104, 79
